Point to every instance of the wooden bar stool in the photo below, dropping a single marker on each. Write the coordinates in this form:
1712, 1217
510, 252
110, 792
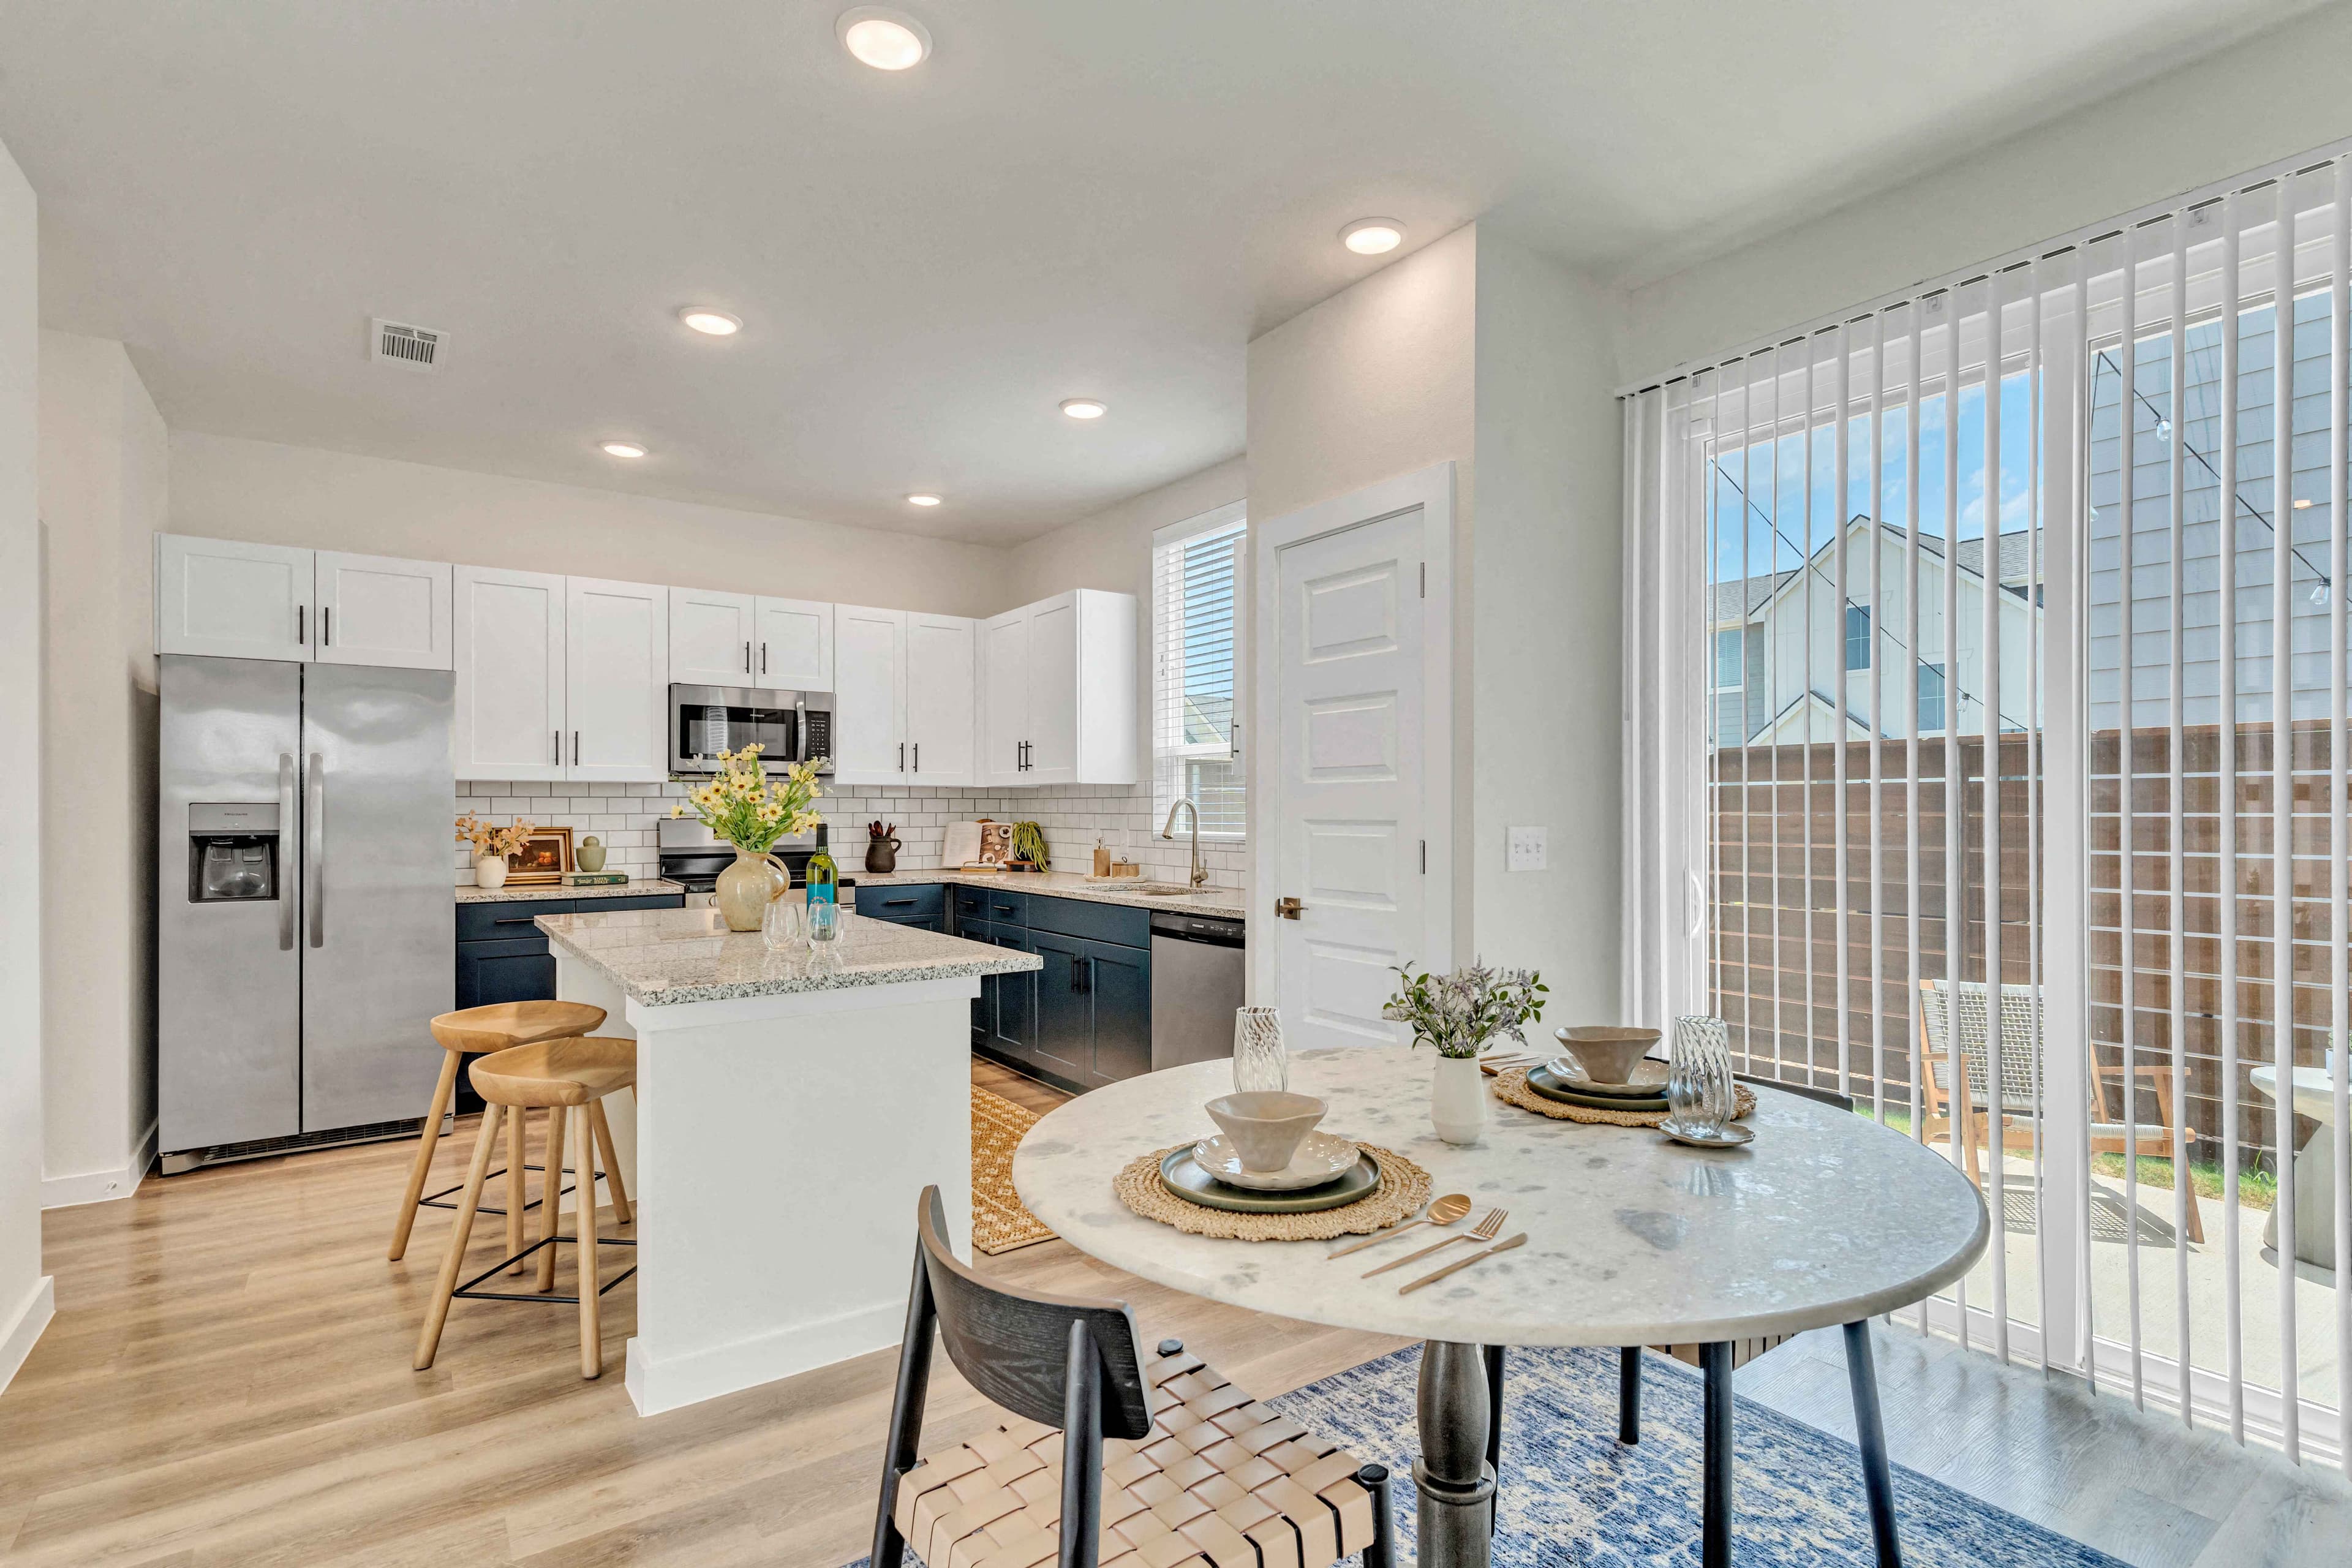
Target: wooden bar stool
568, 1077
478, 1031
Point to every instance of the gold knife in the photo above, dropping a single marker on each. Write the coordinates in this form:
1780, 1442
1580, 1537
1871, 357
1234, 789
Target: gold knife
1416, 1256
1503, 1246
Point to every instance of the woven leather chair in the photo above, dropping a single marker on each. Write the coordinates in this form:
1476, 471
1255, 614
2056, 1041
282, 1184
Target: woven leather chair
1199, 1474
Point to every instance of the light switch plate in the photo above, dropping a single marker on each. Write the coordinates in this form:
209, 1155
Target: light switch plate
1526, 849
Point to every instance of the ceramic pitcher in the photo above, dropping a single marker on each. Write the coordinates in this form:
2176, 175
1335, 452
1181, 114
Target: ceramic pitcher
744, 888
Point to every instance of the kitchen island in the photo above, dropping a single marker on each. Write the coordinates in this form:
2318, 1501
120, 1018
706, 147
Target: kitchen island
789, 1108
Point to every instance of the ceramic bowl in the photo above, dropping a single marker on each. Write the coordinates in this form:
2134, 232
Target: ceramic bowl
1267, 1126
1607, 1052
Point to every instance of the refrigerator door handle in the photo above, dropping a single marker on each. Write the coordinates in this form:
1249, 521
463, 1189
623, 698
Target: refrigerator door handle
285, 815
314, 849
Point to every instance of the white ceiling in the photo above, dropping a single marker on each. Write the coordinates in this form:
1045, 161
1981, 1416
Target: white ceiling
1096, 197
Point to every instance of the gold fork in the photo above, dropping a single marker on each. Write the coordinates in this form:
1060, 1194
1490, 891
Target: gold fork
1486, 1229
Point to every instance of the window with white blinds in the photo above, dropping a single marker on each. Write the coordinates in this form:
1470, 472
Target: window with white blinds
1195, 592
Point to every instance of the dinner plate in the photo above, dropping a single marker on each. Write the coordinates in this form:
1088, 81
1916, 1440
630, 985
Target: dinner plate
1649, 1080
1180, 1173
1546, 1083
1322, 1157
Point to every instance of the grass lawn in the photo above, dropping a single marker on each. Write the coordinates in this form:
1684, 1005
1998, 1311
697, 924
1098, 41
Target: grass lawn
2256, 1189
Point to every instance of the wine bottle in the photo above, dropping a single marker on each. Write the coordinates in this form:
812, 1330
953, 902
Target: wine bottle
823, 892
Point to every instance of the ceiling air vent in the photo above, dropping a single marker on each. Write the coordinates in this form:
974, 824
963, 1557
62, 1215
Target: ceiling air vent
411, 348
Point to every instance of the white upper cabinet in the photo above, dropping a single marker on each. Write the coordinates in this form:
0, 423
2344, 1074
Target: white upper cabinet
509, 717
229, 600
617, 684
710, 636
795, 646
1003, 685
869, 699
375, 609
1057, 684
941, 728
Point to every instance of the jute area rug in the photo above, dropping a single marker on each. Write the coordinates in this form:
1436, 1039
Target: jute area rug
999, 1222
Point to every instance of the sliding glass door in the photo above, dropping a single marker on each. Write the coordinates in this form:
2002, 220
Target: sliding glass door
2006, 788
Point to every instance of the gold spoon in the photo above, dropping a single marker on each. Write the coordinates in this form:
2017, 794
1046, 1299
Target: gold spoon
1444, 1211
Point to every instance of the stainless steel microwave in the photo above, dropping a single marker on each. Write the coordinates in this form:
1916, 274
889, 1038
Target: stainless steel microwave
704, 720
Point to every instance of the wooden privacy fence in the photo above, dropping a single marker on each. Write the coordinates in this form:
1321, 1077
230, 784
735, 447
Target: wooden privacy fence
1778, 894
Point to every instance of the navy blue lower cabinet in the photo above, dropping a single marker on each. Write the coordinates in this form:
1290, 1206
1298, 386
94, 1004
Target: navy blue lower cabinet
1012, 1027
1066, 1025
1118, 982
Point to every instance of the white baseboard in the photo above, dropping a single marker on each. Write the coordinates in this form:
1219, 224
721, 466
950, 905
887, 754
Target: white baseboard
696, 1375
18, 1334
101, 1187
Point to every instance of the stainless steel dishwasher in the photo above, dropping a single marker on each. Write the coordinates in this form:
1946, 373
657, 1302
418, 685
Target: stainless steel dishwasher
1196, 984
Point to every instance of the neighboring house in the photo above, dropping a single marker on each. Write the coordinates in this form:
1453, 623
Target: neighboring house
1767, 691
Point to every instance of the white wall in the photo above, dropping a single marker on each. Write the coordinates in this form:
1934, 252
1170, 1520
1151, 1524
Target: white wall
104, 457
226, 487
1542, 617
2274, 96
24, 1291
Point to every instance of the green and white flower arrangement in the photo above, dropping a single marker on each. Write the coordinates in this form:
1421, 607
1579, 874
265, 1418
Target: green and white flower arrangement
1462, 1012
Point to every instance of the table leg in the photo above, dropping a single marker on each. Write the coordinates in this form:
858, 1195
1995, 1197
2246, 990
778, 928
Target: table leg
1495, 1430
1714, 1522
1870, 1437
1629, 1393
1457, 1488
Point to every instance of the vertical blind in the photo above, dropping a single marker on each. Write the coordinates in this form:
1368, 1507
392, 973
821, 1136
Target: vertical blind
1986, 724
1196, 750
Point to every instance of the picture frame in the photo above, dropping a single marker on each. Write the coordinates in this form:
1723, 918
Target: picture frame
542, 860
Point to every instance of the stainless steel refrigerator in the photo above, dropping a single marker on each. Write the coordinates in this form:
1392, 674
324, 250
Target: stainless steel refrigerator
306, 925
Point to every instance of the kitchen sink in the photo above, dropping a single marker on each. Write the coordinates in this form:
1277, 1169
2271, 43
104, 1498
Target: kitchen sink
1159, 889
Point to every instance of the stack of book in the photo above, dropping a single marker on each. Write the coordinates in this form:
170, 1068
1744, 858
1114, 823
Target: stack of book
595, 879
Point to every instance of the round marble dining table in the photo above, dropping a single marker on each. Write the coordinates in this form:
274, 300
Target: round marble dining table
1825, 1218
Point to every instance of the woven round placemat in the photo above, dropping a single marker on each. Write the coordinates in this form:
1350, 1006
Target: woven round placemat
1405, 1187
1511, 1086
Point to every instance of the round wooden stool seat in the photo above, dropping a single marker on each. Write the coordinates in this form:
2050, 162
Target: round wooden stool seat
556, 1072
477, 1031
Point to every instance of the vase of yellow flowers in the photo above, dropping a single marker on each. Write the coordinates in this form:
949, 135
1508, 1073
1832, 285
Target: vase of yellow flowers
747, 809
491, 847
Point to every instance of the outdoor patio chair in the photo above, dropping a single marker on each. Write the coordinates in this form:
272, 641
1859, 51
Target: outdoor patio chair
2020, 1058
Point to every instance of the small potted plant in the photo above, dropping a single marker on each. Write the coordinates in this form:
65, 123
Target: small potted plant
492, 846
743, 807
1461, 1014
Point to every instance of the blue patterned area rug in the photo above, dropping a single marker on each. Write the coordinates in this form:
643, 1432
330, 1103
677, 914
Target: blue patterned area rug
1573, 1497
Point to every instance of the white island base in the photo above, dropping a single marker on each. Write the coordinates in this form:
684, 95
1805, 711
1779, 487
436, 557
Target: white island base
779, 1144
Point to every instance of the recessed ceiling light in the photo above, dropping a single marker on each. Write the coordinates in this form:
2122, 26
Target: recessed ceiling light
623, 449
1083, 408
918, 499
1372, 235
717, 323
887, 40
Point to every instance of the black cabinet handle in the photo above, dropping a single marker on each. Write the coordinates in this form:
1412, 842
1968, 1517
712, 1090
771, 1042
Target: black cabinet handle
896, 903
327, 626
513, 919
747, 658
301, 626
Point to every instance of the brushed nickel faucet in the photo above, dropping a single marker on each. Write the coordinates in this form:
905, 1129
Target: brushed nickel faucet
1184, 803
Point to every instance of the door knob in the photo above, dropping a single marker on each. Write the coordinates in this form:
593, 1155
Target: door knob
1288, 908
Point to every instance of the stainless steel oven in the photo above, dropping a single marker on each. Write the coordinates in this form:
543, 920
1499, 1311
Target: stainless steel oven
704, 720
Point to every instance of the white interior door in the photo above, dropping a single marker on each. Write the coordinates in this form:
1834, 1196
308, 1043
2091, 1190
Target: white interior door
796, 646
939, 718
618, 681
1005, 698
1354, 669
381, 611
1052, 729
711, 634
232, 600
869, 706
508, 650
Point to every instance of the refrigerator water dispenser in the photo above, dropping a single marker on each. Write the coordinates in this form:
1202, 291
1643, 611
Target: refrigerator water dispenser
232, 853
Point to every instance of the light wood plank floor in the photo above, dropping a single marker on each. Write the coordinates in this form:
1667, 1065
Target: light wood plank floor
227, 1382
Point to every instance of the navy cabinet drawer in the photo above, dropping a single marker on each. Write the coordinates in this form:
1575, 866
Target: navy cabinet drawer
1095, 922
1002, 907
642, 901
919, 901
481, 922
971, 904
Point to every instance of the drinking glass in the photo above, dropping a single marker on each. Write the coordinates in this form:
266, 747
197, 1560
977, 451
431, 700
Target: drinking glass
1698, 1074
1259, 1061
784, 925
824, 921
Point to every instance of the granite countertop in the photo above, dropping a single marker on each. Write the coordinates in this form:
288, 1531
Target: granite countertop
1226, 903
514, 895
659, 957
1825, 1218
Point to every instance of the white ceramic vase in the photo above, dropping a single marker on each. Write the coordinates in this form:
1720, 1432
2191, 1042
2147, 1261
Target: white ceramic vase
490, 871
1457, 1099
